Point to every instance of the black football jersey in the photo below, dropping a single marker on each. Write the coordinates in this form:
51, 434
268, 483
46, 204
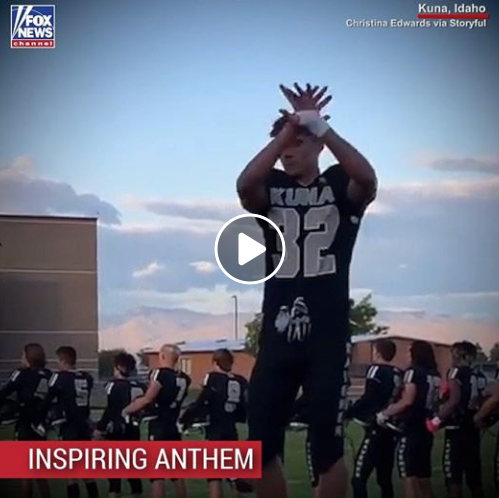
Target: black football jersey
120, 393
30, 386
427, 397
225, 396
174, 389
72, 390
473, 384
383, 385
310, 292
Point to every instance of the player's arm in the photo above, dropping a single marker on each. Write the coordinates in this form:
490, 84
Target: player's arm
202, 400
363, 182
406, 401
454, 386
11, 386
308, 103
252, 182
151, 394
242, 409
368, 400
112, 410
488, 406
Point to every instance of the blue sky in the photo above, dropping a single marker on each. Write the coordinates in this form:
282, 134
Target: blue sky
167, 101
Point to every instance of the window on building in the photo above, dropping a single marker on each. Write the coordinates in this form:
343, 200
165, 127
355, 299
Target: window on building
186, 365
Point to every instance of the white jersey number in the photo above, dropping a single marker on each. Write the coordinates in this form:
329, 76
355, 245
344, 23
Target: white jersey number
233, 396
320, 225
82, 393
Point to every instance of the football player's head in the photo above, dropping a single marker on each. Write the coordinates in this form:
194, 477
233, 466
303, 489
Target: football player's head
34, 355
124, 365
169, 355
302, 154
384, 350
223, 359
463, 353
66, 357
423, 356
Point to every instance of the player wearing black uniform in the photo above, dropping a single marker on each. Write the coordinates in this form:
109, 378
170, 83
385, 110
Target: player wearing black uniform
167, 390
377, 450
71, 390
121, 391
421, 386
223, 399
305, 336
462, 452
29, 384
490, 407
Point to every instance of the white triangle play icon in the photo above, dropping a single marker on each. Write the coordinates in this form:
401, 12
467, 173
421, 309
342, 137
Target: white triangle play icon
248, 249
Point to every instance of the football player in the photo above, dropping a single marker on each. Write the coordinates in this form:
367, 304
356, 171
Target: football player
167, 390
121, 391
71, 390
462, 449
223, 399
30, 386
487, 415
305, 335
420, 394
377, 450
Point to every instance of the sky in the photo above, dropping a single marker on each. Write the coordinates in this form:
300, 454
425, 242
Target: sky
145, 114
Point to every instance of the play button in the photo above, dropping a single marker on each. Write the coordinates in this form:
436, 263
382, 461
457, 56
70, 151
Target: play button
248, 249
240, 249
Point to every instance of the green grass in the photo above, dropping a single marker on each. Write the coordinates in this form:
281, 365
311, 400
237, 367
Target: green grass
295, 469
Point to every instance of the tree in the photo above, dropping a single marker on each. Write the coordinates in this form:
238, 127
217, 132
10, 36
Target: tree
362, 321
494, 353
253, 334
362, 317
106, 362
481, 357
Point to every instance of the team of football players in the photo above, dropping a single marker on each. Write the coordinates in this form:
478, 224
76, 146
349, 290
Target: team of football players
399, 413
36, 400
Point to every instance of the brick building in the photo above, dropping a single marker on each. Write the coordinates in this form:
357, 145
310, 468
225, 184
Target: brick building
196, 355
48, 287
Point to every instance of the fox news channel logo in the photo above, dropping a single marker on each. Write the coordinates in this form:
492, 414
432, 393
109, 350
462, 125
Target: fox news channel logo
32, 26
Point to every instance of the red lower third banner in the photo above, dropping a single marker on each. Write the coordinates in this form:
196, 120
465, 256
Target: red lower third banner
125, 459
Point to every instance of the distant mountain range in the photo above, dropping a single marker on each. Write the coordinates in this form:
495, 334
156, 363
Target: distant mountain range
151, 327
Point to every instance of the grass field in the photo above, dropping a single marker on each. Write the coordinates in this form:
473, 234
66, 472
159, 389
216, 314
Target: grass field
295, 469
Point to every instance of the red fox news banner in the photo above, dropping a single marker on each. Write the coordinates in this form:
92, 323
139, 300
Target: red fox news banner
125, 459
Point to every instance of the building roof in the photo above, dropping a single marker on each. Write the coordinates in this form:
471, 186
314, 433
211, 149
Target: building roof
18, 217
370, 338
205, 346
239, 344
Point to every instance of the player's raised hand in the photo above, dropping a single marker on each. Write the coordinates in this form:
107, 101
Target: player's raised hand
308, 99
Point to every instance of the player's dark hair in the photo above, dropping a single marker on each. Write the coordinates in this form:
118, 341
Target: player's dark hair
279, 125
464, 351
125, 363
67, 354
386, 349
224, 359
470, 350
422, 355
35, 355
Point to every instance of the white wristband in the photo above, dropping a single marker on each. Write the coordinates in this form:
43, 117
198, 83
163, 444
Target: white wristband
312, 120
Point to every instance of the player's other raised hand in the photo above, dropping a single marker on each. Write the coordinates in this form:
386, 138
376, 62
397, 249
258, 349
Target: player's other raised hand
312, 98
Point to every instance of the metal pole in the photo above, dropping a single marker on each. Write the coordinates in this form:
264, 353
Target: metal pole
235, 316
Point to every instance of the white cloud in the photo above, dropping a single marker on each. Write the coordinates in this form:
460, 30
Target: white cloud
204, 266
23, 192
208, 209
452, 163
149, 270
168, 225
